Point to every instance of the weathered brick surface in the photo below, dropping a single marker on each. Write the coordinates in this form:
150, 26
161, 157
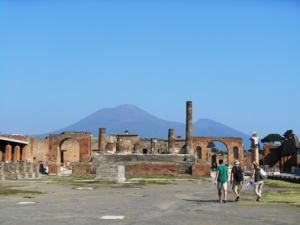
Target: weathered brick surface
20, 170
152, 169
201, 169
230, 142
184, 161
53, 169
82, 138
81, 169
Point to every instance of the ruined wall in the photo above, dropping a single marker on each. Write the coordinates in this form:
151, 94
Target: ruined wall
152, 169
20, 170
126, 143
81, 139
184, 161
77, 138
230, 142
39, 148
94, 145
82, 169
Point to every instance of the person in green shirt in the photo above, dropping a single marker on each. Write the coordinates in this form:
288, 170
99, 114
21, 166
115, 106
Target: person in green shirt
221, 180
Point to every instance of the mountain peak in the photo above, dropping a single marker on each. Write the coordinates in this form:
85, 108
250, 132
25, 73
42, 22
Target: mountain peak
135, 120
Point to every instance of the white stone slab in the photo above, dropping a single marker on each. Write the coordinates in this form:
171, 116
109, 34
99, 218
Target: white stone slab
113, 217
85, 188
26, 203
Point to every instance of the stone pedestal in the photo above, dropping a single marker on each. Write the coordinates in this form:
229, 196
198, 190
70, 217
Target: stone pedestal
111, 172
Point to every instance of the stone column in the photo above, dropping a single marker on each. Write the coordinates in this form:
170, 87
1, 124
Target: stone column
189, 127
101, 140
8, 149
17, 151
241, 154
171, 140
25, 153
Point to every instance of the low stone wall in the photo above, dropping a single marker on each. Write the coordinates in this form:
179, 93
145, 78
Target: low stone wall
201, 169
19, 170
152, 169
137, 164
291, 178
177, 158
81, 169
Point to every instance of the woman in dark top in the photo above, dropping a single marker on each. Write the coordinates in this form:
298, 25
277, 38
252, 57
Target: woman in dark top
257, 180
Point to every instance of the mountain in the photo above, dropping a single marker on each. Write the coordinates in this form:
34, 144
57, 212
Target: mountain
136, 120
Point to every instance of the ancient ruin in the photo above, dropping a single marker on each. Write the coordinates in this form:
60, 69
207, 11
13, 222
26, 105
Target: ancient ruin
80, 153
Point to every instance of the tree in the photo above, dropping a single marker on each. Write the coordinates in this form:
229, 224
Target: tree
272, 138
212, 146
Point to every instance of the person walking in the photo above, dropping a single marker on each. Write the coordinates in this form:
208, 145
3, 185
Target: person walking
258, 181
237, 179
221, 180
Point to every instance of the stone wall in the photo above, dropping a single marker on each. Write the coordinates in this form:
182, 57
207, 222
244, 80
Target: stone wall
82, 139
20, 170
185, 162
152, 169
39, 149
82, 169
201, 169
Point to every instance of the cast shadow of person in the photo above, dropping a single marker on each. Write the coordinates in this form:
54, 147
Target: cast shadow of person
199, 201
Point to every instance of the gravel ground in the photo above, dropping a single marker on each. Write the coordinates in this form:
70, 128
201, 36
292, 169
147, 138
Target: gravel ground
182, 203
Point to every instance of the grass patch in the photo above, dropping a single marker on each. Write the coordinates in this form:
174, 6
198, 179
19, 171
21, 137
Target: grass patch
281, 184
12, 191
287, 197
163, 180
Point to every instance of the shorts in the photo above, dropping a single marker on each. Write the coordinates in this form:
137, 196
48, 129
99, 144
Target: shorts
237, 185
222, 186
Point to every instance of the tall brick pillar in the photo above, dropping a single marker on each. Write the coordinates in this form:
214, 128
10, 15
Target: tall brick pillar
229, 154
17, 153
25, 153
8, 149
171, 140
101, 140
189, 127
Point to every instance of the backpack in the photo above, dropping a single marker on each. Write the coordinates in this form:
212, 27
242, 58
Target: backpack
238, 174
263, 174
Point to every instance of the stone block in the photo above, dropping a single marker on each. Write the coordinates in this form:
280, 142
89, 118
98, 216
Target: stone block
111, 172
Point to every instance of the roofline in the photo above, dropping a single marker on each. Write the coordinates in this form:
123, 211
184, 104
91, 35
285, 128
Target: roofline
13, 140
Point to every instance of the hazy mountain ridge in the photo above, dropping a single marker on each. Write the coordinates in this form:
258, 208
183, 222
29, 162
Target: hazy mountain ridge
136, 120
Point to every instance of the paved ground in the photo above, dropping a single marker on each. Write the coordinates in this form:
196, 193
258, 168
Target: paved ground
182, 203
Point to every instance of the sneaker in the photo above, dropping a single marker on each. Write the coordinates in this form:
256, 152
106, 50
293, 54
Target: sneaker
237, 198
225, 201
258, 199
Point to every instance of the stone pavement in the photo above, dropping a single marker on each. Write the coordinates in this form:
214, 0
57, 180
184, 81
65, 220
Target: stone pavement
181, 203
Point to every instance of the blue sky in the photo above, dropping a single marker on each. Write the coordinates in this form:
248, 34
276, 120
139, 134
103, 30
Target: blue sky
239, 61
